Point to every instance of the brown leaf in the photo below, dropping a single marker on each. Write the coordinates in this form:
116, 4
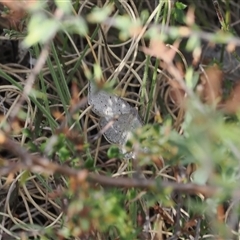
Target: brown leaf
176, 92
75, 94
164, 214
190, 16
211, 81
181, 68
177, 96
232, 104
191, 223
58, 115
158, 49
220, 213
14, 15
158, 161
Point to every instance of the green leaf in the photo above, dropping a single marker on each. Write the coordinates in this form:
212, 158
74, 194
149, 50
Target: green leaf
180, 5
89, 163
99, 15
113, 152
64, 5
24, 177
178, 13
75, 25
192, 43
144, 15
63, 153
191, 78
36, 20
200, 176
27, 132
40, 30
97, 71
37, 5
123, 22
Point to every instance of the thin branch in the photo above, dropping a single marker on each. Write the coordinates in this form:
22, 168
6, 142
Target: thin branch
36, 163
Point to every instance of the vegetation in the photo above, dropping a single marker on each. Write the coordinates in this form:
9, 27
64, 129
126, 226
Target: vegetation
61, 179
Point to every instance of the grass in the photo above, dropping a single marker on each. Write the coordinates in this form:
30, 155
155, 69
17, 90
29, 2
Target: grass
62, 180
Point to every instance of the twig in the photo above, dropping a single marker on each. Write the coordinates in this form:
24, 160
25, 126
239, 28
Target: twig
197, 235
219, 14
37, 163
40, 164
186, 32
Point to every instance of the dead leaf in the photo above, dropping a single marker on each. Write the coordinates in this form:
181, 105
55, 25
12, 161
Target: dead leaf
177, 96
14, 15
231, 47
190, 16
181, 68
232, 104
75, 95
211, 81
59, 116
159, 49
176, 92
220, 213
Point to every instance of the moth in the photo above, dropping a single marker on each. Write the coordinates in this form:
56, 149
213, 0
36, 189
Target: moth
118, 117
